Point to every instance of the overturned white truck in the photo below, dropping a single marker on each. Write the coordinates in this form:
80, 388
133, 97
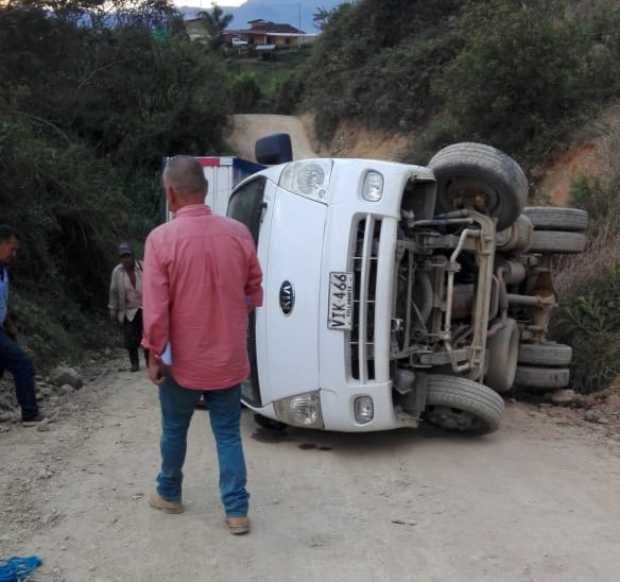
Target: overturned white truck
395, 293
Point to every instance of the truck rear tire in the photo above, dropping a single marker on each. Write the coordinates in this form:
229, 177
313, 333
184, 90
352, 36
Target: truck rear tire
558, 242
465, 170
547, 354
502, 356
542, 378
551, 218
462, 405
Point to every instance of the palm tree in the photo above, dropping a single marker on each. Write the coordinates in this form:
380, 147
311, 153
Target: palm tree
215, 22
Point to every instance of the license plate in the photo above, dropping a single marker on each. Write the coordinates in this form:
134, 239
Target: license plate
340, 308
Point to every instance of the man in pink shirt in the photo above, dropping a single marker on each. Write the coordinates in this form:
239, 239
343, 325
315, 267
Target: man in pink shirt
201, 279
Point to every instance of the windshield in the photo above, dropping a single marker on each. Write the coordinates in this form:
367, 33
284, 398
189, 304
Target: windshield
246, 206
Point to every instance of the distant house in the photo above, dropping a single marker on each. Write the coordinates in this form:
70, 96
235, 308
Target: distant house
196, 29
264, 35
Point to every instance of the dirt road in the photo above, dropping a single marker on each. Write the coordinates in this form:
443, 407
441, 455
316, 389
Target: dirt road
247, 129
536, 501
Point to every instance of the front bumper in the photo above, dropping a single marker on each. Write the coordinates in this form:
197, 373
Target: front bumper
337, 408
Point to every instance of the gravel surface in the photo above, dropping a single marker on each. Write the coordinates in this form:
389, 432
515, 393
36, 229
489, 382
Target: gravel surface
535, 501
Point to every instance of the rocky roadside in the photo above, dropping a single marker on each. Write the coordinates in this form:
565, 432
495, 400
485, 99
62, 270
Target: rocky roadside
56, 387
599, 411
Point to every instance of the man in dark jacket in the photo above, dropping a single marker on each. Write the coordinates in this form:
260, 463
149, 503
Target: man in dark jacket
12, 357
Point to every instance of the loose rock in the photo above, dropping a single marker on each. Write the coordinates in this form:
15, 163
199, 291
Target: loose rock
563, 397
613, 401
65, 375
595, 416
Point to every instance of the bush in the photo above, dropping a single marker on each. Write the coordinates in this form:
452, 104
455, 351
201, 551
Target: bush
588, 285
374, 62
246, 93
589, 320
517, 75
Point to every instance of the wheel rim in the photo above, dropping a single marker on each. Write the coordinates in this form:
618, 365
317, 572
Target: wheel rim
469, 193
454, 419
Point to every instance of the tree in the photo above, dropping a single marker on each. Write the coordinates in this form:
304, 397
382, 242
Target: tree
215, 22
320, 18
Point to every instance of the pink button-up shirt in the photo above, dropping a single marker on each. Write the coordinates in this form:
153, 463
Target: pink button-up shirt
201, 277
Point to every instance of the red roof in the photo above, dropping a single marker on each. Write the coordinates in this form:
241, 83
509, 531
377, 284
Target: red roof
266, 26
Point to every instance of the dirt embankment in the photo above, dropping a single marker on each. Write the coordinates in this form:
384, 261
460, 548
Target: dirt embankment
247, 129
353, 140
593, 153
350, 141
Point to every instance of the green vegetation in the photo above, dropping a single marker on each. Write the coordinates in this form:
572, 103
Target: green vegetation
271, 79
215, 22
518, 75
86, 114
589, 289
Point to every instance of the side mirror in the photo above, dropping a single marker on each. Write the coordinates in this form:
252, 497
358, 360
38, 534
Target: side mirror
274, 149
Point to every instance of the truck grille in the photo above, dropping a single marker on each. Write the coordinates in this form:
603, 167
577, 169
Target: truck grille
364, 265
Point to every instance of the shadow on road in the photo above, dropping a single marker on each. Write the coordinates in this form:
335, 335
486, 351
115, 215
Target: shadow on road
370, 443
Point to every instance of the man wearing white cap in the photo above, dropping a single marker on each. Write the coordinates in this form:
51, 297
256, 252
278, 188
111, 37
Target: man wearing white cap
125, 303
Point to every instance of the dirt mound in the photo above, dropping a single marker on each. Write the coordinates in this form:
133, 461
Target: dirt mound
353, 140
556, 176
593, 154
247, 129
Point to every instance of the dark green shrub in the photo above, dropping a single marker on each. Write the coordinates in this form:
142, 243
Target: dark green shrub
246, 93
589, 320
86, 115
518, 75
588, 286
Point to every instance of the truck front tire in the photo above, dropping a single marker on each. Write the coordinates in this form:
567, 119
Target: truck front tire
466, 172
462, 405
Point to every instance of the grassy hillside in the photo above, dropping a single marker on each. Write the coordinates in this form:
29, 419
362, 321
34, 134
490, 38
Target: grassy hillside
261, 85
518, 75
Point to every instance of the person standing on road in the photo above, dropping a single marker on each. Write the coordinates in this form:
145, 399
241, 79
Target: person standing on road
125, 303
201, 280
12, 357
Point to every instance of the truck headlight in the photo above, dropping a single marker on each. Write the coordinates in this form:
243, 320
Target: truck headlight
301, 410
364, 409
308, 178
372, 188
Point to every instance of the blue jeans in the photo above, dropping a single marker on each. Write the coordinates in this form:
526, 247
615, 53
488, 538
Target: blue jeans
177, 408
16, 361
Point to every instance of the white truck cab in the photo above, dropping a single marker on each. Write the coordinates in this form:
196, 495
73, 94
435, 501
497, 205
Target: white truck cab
395, 293
326, 234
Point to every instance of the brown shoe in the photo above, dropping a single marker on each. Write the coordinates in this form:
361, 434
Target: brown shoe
238, 525
158, 502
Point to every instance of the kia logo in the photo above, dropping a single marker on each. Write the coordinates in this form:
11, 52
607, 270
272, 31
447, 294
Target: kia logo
287, 297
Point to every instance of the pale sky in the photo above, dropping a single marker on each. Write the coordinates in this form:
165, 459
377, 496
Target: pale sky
207, 3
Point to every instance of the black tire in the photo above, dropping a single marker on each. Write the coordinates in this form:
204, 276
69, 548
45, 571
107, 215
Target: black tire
558, 242
547, 354
502, 356
516, 239
269, 423
550, 218
464, 168
462, 405
542, 378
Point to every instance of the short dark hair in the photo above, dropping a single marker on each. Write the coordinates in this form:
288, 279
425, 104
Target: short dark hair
7, 232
